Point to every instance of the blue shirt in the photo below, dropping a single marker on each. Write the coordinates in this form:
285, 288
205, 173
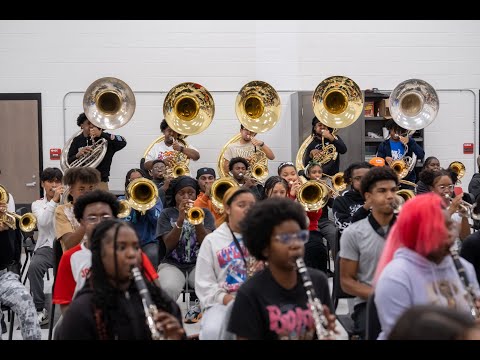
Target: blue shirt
398, 150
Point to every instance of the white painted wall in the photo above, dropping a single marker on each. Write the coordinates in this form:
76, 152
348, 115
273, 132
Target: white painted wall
55, 58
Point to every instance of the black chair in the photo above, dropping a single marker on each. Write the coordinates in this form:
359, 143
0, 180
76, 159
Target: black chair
373, 323
57, 255
337, 294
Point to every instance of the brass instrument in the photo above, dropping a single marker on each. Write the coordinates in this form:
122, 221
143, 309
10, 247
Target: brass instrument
149, 307
27, 222
109, 103
466, 209
218, 190
142, 194
470, 295
313, 195
195, 215
337, 103
338, 181
258, 109
400, 167
188, 109
402, 196
458, 168
124, 210
316, 307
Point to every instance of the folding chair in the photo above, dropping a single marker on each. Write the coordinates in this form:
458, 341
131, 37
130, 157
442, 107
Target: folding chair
337, 294
57, 255
373, 323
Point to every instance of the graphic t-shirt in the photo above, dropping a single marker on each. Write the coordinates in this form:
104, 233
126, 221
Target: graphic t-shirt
398, 150
264, 310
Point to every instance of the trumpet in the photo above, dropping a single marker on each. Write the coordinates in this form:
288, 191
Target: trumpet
27, 222
125, 209
467, 209
194, 214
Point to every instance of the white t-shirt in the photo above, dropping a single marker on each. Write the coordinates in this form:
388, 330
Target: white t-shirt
237, 149
160, 151
44, 211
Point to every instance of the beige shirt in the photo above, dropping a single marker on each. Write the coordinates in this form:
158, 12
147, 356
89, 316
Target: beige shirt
65, 221
239, 150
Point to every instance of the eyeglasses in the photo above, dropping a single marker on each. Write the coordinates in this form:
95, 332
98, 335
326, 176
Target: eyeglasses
93, 219
443, 187
287, 238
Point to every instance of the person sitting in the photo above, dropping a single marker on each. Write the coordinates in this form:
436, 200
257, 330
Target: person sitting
43, 259
275, 186
434, 322
145, 224
82, 145
158, 174
245, 148
351, 206
169, 148
416, 266
182, 240
474, 184
431, 164
223, 264
109, 306
238, 167
12, 292
273, 304
79, 180
205, 178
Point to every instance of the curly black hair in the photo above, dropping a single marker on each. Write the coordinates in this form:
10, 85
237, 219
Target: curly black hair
51, 173
257, 226
94, 197
105, 295
163, 125
347, 174
270, 184
429, 177
428, 160
81, 119
237, 160
376, 174
392, 125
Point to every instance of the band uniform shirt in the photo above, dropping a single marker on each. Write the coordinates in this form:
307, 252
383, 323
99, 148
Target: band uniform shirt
184, 256
44, 211
237, 149
332, 167
264, 310
115, 143
64, 221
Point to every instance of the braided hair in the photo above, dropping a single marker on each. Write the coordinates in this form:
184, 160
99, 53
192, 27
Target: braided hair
105, 295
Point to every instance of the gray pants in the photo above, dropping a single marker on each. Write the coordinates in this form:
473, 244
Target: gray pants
214, 323
329, 232
151, 250
172, 279
14, 295
41, 261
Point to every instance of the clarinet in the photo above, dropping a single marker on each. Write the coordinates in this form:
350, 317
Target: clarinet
321, 322
149, 307
470, 294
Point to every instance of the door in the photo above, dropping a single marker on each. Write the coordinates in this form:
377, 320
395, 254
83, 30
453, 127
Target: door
20, 146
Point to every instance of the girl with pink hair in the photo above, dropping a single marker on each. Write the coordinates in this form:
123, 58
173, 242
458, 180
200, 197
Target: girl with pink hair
415, 266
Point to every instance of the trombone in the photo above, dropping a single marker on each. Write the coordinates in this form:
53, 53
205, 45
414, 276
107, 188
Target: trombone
141, 194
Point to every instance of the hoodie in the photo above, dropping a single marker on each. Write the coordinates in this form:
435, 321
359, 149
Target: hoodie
220, 269
474, 185
346, 206
411, 279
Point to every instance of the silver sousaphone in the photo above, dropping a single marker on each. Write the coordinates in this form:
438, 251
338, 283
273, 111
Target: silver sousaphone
108, 103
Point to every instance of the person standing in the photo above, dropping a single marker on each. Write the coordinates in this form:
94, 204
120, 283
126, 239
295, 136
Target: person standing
82, 145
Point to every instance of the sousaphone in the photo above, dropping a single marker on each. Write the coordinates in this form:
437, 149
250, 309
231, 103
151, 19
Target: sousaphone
337, 103
188, 110
109, 103
258, 109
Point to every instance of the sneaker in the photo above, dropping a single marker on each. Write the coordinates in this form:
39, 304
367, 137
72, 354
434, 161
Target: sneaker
42, 317
194, 314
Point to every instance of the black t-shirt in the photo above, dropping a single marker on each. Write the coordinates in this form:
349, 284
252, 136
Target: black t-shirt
130, 322
332, 167
115, 143
264, 310
10, 247
470, 251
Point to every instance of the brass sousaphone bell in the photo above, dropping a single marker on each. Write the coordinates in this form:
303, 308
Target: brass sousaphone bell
109, 103
337, 103
258, 108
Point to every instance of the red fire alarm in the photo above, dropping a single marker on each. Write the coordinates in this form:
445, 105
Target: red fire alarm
468, 148
55, 154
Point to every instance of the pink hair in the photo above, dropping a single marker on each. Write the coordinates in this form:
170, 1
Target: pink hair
420, 226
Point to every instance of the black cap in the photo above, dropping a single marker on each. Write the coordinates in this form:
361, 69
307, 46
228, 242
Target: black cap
204, 171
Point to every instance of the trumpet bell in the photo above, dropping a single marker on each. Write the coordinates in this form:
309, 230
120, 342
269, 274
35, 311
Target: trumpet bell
218, 190
142, 194
124, 210
259, 172
109, 103
258, 106
188, 108
313, 195
338, 182
457, 167
180, 170
337, 102
414, 104
400, 167
195, 215
27, 222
